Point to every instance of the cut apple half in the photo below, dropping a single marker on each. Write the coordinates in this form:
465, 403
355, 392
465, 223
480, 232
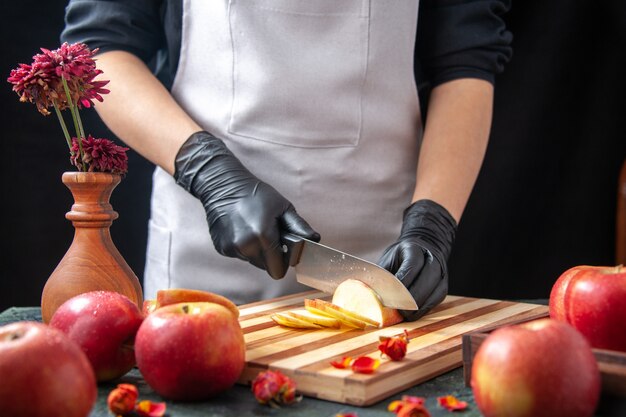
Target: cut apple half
346, 317
315, 318
362, 301
183, 295
290, 321
148, 306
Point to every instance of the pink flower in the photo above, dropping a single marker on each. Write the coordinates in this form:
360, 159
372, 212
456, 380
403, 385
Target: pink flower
75, 63
35, 86
64, 78
41, 82
100, 155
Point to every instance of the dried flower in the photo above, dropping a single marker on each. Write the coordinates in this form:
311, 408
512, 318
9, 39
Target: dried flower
100, 155
122, 399
394, 347
274, 388
409, 406
362, 364
147, 408
64, 78
451, 403
344, 363
41, 82
365, 365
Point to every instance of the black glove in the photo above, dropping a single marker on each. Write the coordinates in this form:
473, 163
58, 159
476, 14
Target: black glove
246, 216
419, 256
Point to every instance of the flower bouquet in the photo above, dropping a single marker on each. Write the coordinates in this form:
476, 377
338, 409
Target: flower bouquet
65, 79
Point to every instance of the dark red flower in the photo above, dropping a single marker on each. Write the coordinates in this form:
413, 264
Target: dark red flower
35, 86
41, 82
100, 155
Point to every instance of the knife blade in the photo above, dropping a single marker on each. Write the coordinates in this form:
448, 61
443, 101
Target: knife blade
324, 268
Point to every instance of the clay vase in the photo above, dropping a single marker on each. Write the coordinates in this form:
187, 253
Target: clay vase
92, 262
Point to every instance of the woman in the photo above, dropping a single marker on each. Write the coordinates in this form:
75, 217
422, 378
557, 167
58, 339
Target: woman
260, 106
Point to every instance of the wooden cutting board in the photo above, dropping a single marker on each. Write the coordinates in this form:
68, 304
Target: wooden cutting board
305, 355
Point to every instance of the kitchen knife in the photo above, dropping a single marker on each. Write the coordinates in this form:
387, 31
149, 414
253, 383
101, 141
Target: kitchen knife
324, 268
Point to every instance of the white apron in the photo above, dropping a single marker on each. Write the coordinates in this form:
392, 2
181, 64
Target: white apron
316, 98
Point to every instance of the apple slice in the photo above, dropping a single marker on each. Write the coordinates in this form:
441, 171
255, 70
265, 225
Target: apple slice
290, 321
362, 301
320, 319
346, 317
309, 307
184, 295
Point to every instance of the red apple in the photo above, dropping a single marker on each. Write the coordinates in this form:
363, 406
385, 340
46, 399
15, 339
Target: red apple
543, 368
104, 324
190, 351
43, 373
592, 299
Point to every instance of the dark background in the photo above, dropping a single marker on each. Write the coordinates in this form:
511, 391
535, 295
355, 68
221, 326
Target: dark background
545, 199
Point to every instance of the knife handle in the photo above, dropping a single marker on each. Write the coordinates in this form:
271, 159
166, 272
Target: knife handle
292, 246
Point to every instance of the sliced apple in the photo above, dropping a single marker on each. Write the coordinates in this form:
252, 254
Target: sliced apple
319, 319
337, 312
184, 295
362, 301
290, 321
309, 307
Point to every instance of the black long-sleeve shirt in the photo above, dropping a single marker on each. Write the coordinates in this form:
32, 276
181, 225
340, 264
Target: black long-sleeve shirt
455, 38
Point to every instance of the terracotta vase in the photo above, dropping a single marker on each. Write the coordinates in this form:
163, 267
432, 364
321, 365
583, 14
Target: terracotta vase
92, 262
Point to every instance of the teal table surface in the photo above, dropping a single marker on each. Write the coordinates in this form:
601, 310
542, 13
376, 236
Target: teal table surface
240, 402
